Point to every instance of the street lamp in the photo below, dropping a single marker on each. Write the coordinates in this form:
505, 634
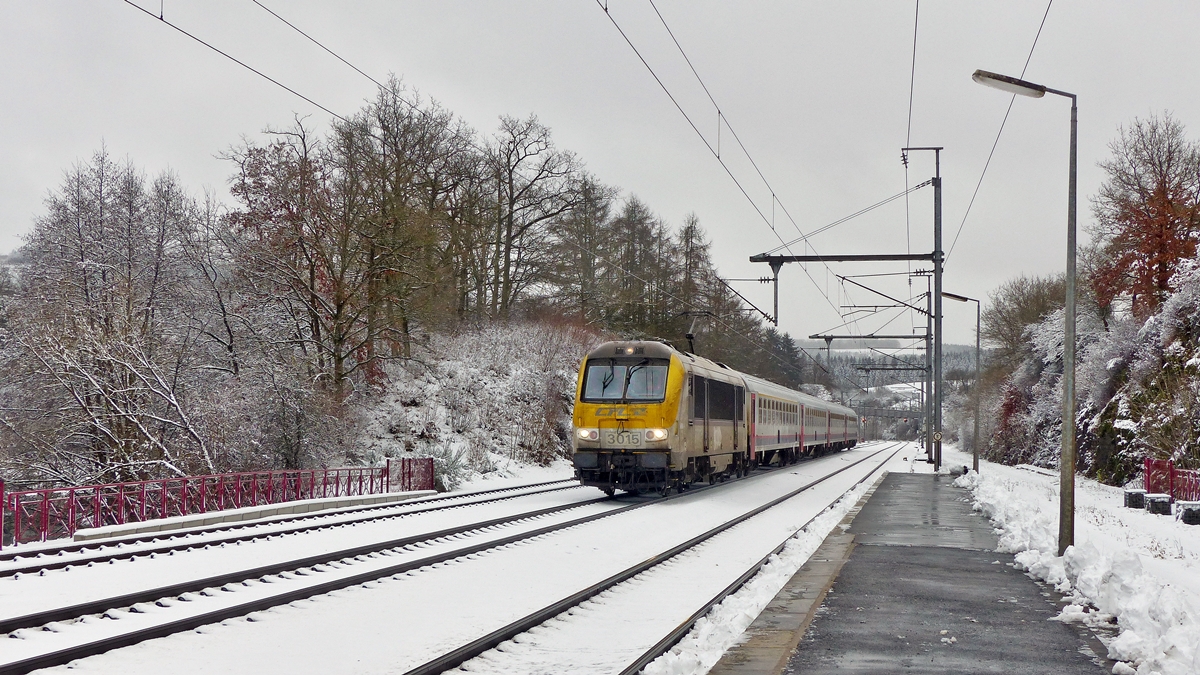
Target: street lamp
975, 437
1066, 463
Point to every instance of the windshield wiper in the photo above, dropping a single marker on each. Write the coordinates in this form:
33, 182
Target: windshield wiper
608, 379
629, 375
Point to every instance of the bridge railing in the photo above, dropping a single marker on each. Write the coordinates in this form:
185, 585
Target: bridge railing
38, 515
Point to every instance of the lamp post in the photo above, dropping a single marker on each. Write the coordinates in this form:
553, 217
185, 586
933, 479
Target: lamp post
1066, 463
975, 436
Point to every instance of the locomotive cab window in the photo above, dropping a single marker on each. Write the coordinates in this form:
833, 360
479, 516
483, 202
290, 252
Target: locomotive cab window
625, 379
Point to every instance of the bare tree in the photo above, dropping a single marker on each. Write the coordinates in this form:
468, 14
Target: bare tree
308, 245
535, 183
1011, 309
104, 358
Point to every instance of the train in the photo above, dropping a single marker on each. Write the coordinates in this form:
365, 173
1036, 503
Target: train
651, 418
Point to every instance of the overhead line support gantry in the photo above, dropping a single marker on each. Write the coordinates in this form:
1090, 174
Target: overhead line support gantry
937, 257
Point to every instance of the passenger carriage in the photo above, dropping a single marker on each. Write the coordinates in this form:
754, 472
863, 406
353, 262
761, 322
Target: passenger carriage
651, 418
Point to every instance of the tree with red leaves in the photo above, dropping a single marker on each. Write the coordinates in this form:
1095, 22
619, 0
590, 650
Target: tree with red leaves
1147, 214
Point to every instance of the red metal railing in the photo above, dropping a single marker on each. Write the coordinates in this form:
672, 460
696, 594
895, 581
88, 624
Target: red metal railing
413, 474
38, 515
1162, 477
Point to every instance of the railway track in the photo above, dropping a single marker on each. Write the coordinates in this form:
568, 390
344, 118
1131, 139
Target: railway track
163, 542
489, 642
152, 612
302, 577
683, 628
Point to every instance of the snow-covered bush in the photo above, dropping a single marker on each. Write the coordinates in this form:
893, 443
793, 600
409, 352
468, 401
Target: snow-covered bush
1154, 377
818, 391
1137, 388
480, 399
1029, 425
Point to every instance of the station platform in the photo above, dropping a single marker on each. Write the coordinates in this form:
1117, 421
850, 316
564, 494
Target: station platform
911, 582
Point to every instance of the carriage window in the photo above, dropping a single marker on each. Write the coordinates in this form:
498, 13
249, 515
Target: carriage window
625, 379
721, 400
699, 390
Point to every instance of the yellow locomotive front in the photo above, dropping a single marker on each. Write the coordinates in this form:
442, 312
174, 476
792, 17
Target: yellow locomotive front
626, 420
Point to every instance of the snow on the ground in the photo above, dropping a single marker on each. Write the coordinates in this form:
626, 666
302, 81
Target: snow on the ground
598, 635
897, 388
511, 473
724, 625
22, 594
1129, 566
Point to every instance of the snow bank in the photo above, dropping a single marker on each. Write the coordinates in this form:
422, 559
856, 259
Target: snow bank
724, 625
1158, 622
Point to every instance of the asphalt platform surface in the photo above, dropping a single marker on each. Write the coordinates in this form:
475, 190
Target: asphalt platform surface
913, 584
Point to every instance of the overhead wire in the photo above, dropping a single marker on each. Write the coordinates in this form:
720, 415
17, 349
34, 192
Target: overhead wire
317, 43
272, 80
998, 133
856, 214
880, 274
774, 197
847, 323
900, 311
382, 87
912, 80
892, 356
235, 60
707, 143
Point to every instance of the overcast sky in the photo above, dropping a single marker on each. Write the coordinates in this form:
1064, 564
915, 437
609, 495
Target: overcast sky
817, 91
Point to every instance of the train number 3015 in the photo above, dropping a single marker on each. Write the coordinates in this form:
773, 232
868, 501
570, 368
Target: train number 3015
623, 438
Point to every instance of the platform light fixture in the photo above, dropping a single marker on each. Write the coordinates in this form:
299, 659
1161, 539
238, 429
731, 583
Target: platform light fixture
1066, 463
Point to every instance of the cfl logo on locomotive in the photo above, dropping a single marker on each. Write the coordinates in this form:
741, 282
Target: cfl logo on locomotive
621, 411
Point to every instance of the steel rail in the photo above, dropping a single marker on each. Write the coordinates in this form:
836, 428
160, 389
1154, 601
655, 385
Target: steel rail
683, 628
69, 654
38, 565
476, 647
195, 585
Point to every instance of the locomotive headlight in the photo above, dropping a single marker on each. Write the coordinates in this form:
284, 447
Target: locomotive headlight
656, 434
587, 434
